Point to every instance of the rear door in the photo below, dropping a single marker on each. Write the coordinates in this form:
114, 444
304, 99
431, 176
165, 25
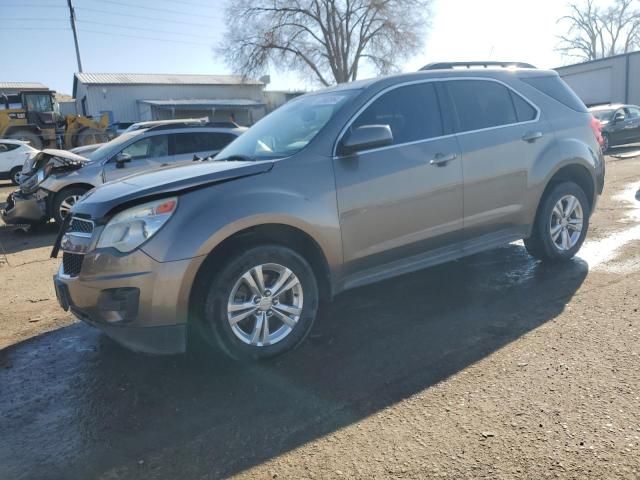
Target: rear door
186, 145
146, 154
500, 135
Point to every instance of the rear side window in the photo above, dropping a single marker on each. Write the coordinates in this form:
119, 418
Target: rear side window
524, 110
412, 112
192, 142
7, 147
556, 88
481, 104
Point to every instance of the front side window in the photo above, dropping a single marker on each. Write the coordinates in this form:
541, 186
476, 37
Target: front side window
192, 142
150, 147
634, 112
38, 102
412, 112
481, 104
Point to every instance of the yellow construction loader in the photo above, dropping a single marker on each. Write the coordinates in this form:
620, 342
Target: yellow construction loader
34, 116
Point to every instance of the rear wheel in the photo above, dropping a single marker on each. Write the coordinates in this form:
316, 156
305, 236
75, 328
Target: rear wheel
262, 303
561, 224
14, 175
64, 201
27, 136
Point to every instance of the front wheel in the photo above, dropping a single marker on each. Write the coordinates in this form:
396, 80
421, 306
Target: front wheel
262, 303
561, 224
14, 175
64, 201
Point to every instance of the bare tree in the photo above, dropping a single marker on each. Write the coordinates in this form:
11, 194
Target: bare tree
324, 39
595, 32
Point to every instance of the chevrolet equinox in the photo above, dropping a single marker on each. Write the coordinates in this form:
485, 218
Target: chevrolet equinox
336, 189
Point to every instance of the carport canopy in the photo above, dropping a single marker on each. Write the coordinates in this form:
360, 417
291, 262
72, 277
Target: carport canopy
244, 111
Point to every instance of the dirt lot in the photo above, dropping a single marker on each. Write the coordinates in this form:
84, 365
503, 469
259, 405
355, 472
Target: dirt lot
492, 367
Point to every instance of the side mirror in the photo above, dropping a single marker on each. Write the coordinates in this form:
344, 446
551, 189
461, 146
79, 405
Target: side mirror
121, 159
619, 117
366, 138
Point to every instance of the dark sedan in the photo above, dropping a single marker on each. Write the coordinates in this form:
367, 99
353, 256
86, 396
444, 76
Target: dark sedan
620, 124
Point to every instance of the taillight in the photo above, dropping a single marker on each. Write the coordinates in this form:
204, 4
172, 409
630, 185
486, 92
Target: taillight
596, 126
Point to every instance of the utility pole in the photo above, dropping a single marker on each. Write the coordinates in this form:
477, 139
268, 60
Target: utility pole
72, 18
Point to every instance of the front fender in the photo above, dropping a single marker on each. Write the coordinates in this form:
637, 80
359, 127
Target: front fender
206, 217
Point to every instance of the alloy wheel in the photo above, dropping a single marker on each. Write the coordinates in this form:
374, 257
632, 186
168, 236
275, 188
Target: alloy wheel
566, 223
67, 204
265, 305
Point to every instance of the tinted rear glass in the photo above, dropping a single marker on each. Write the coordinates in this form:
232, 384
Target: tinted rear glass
481, 104
555, 87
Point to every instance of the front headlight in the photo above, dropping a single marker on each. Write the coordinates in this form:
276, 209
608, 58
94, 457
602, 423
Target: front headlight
131, 228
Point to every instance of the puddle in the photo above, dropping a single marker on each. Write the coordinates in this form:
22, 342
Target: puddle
597, 253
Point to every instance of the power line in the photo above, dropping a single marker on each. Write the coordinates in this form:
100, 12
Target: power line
34, 5
164, 10
195, 4
104, 24
34, 28
156, 39
105, 12
36, 19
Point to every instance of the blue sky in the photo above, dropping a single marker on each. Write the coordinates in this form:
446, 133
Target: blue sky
177, 36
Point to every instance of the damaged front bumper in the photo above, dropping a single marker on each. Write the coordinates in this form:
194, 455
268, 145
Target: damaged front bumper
25, 208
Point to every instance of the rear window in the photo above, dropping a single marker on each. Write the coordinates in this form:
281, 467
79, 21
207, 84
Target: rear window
557, 89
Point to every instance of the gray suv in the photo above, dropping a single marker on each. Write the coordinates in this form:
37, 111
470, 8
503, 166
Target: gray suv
334, 190
56, 179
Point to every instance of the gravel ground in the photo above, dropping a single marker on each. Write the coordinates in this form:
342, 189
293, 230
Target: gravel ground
491, 367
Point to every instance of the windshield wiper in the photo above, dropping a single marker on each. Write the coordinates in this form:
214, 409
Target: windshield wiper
238, 157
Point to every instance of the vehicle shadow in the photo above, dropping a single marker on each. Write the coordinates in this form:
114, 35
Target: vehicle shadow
627, 151
14, 239
104, 409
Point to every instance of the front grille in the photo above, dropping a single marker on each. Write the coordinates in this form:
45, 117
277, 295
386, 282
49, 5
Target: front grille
72, 264
80, 225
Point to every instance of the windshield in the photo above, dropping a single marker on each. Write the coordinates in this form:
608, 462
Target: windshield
288, 129
111, 148
603, 115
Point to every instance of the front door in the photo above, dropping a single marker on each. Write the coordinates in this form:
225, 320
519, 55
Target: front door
146, 154
404, 200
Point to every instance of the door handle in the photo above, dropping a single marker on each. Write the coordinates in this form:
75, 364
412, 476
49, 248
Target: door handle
441, 159
531, 137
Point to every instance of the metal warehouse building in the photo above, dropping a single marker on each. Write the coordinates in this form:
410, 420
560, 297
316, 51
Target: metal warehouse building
609, 80
130, 97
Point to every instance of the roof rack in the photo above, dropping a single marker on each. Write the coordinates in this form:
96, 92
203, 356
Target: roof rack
487, 64
192, 124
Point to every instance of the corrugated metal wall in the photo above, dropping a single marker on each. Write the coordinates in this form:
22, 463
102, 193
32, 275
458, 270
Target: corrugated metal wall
122, 100
605, 81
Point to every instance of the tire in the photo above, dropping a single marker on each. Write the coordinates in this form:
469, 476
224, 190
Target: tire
240, 341
89, 136
14, 175
27, 136
545, 242
63, 199
606, 146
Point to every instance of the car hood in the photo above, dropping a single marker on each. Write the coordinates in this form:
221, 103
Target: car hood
65, 157
119, 194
